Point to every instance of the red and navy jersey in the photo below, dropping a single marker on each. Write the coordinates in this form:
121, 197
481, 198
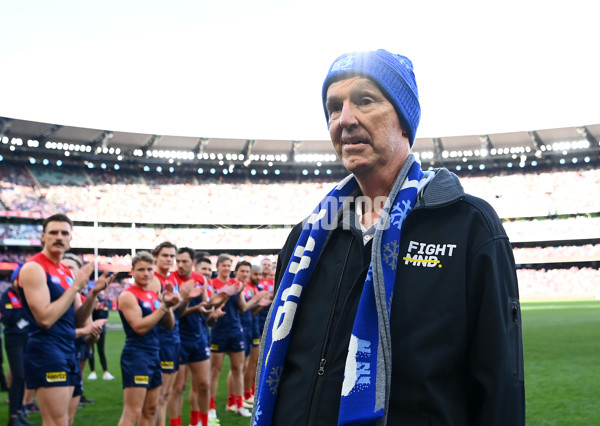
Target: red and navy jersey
148, 302
60, 338
192, 326
169, 337
15, 319
246, 317
231, 320
268, 285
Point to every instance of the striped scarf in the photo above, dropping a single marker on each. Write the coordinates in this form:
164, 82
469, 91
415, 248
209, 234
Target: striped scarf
367, 376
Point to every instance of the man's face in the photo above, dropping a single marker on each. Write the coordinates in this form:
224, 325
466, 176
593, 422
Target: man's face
205, 269
165, 259
142, 273
184, 264
365, 129
224, 269
266, 266
242, 273
71, 264
255, 276
57, 237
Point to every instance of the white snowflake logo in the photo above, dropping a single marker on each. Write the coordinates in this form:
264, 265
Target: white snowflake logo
399, 214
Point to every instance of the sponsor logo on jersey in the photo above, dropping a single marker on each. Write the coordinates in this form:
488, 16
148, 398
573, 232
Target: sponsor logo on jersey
55, 377
55, 280
156, 304
141, 380
70, 281
147, 305
428, 255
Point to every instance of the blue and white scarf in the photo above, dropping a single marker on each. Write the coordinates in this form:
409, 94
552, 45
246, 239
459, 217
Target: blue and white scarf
367, 376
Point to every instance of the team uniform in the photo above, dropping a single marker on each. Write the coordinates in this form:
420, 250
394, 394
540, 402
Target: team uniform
248, 321
268, 285
193, 331
227, 335
16, 326
50, 357
140, 361
170, 341
83, 351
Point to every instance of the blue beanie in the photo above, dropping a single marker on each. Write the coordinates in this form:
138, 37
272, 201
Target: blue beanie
392, 73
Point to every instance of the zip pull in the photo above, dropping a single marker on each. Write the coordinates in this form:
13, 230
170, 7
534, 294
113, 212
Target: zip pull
322, 367
515, 311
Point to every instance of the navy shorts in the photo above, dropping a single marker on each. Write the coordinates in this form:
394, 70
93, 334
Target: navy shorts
194, 351
140, 369
51, 371
230, 342
169, 357
84, 351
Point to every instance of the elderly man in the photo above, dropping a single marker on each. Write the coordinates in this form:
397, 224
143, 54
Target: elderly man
396, 300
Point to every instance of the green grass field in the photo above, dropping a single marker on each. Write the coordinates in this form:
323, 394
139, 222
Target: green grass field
562, 370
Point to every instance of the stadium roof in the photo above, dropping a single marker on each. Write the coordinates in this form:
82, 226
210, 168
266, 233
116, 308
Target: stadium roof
128, 142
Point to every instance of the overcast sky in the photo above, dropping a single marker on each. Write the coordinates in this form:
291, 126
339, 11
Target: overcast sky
254, 69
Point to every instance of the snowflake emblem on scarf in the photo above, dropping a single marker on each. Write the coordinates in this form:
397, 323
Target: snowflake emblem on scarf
399, 214
273, 380
390, 254
257, 413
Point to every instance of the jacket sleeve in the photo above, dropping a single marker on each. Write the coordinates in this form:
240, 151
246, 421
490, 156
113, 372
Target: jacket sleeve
495, 382
10, 315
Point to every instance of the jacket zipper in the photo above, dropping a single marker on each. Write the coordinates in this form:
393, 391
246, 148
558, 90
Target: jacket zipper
323, 361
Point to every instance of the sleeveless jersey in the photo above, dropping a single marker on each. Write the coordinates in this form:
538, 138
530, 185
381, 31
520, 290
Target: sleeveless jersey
192, 326
169, 337
231, 319
148, 302
59, 339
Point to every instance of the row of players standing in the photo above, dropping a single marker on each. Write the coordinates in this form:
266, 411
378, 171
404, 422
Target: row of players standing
175, 338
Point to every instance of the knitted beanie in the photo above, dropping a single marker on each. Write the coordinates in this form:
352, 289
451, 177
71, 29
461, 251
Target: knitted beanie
392, 73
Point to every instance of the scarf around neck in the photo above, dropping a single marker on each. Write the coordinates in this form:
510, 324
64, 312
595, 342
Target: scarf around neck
367, 374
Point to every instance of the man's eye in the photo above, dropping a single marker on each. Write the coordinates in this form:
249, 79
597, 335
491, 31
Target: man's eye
365, 101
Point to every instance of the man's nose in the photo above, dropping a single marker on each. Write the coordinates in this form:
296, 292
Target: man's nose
348, 116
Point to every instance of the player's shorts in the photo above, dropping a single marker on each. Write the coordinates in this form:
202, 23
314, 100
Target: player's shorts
78, 389
194, 351
50, 370
84, 351
169, 357
140, 369
229, 342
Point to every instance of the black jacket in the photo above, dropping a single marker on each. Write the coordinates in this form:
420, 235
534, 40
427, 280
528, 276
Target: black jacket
457, 355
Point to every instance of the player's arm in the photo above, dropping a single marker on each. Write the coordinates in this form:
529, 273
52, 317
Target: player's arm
244, 305
33, 281
84, 311
132, 312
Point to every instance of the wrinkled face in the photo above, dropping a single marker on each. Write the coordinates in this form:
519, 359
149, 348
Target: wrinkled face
184, 264
56, 238
242, 273
364, 128
71, 264
205, 269
224, 269
142, 273
165, 259
255, 276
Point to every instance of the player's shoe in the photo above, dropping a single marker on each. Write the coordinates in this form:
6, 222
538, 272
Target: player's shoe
92, 376
250, 400
243, 412
247, 405
233, 408
212, 414
107, 376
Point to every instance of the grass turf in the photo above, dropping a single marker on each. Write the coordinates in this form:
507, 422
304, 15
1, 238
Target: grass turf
562, 371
